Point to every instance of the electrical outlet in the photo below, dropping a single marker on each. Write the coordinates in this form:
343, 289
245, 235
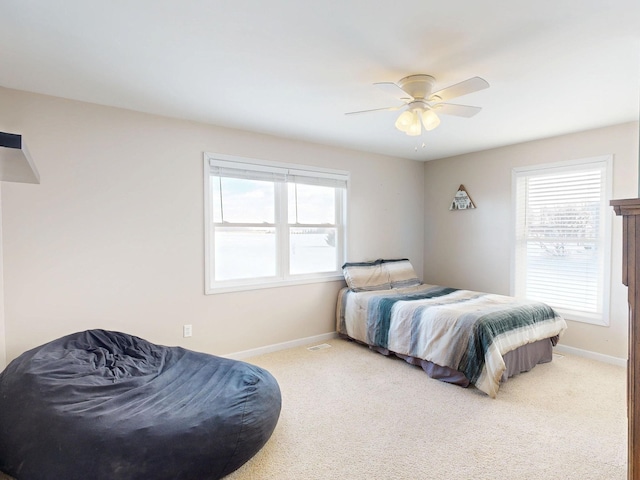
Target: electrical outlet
187, 330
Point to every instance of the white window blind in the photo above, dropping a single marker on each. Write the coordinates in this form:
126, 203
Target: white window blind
562, 237
259, 171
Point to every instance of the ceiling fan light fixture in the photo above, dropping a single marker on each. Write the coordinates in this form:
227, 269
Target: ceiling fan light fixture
430, 120
415, 128
409, 122
404, 121
412, 121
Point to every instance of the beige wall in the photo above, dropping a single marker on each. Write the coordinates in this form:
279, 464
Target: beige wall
472, 249
113, 236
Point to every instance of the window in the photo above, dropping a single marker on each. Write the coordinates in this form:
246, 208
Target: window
562, 237
272, 224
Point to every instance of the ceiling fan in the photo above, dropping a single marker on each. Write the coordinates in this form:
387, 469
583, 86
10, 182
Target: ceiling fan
421, 104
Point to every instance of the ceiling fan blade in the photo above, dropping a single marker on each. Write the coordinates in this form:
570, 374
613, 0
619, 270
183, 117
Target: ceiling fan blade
463, 88
375, 110
394, 90
457, 110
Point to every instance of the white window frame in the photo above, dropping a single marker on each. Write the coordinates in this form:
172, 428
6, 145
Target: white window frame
517, 284
282, 278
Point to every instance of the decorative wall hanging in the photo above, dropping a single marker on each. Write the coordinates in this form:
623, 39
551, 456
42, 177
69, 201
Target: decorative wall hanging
462, 200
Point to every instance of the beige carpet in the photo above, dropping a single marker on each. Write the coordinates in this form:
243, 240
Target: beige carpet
350, 413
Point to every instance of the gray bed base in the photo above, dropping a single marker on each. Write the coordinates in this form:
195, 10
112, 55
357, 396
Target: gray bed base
522, 359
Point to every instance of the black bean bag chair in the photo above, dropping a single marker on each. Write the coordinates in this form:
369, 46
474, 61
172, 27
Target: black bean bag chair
106, 405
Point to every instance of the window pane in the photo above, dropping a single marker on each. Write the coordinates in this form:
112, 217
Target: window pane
311, 204
242, 201
312, 250
564, 274
244, 253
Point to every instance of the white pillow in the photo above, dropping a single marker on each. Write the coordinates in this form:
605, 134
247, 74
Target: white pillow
366, 276
401, 273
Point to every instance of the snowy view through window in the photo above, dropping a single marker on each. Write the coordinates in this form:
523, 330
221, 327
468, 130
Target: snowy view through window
246, 235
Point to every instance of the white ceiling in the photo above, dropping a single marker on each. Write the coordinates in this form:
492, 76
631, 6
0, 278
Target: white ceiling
294, 68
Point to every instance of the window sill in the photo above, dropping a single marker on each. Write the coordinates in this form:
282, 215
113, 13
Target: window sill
574, 316
214, 290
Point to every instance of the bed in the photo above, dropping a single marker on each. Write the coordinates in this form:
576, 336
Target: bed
458, 336
105, 405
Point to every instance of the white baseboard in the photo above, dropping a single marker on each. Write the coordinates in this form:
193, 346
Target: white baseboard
621, 362
281, 346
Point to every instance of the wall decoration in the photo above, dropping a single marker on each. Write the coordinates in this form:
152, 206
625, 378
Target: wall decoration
462, 200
